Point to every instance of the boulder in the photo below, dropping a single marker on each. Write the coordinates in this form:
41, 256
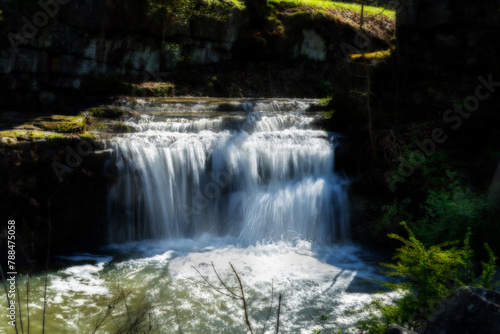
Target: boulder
467, 311
396, 329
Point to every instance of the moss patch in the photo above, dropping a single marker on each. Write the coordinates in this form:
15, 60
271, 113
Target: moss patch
105, 112
155, 89
30, 135
378, 55
61, 127
87, 135
335, 5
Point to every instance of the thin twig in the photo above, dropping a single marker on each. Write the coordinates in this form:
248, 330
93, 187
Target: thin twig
270, 307
28, 301
214, 287
222, 282
19, 304
46, 273
247, 320
278, 317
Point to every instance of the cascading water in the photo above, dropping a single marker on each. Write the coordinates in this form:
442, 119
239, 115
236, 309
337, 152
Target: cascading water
202, 183
258, 172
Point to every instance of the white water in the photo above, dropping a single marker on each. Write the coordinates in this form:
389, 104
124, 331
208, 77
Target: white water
260, 174
314, 281
256, 189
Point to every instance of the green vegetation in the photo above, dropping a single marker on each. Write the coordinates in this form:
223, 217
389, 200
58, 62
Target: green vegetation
172, 12
86, 135
335, 5
55, 137
156, 89
378, 55
30, 135
326, 100
180, 11
452, 208
430, 273
449, 207
328, 114
61, 124
96, 112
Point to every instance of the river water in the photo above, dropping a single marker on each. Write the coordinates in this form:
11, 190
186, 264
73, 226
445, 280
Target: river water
200, 185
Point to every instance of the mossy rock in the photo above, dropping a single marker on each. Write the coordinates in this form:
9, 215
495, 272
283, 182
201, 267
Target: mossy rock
155, 89
120, 127
60, 127
112, 113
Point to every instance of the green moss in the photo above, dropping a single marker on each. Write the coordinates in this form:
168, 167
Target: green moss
10, 134
326, 101
156, 89
61, 124
55, 137
96, 112
328, 114
31, 135
121, 127
378, 55
86, 135
324, 4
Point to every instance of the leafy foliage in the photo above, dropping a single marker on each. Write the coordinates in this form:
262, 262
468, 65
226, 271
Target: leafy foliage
489, 270
451, 209
180, 11
429, 269
429, 275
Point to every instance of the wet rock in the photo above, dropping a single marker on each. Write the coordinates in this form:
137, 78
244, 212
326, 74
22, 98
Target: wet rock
496, 279
467, 311
8, 141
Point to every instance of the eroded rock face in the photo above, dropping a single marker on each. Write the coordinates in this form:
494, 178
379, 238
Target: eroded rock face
467, 311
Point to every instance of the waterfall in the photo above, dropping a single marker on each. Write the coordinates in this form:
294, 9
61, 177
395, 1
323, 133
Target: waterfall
256, 170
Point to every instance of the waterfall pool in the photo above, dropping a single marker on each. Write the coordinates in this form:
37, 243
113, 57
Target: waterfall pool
320, 286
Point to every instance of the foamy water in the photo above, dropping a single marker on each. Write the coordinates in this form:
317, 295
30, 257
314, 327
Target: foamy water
314, 281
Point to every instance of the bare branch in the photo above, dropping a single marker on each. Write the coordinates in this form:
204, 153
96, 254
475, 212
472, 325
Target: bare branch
247, 320
270, 307
278, 317
222, 282
214, 287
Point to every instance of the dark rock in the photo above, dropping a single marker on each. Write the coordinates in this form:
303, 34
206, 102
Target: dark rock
467, 311
396, 329
496, 279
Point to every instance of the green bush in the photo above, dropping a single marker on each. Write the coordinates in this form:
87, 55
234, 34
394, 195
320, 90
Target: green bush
451, 209
430, 274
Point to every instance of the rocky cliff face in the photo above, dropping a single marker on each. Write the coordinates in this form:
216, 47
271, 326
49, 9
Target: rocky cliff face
80, 38
58, 44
